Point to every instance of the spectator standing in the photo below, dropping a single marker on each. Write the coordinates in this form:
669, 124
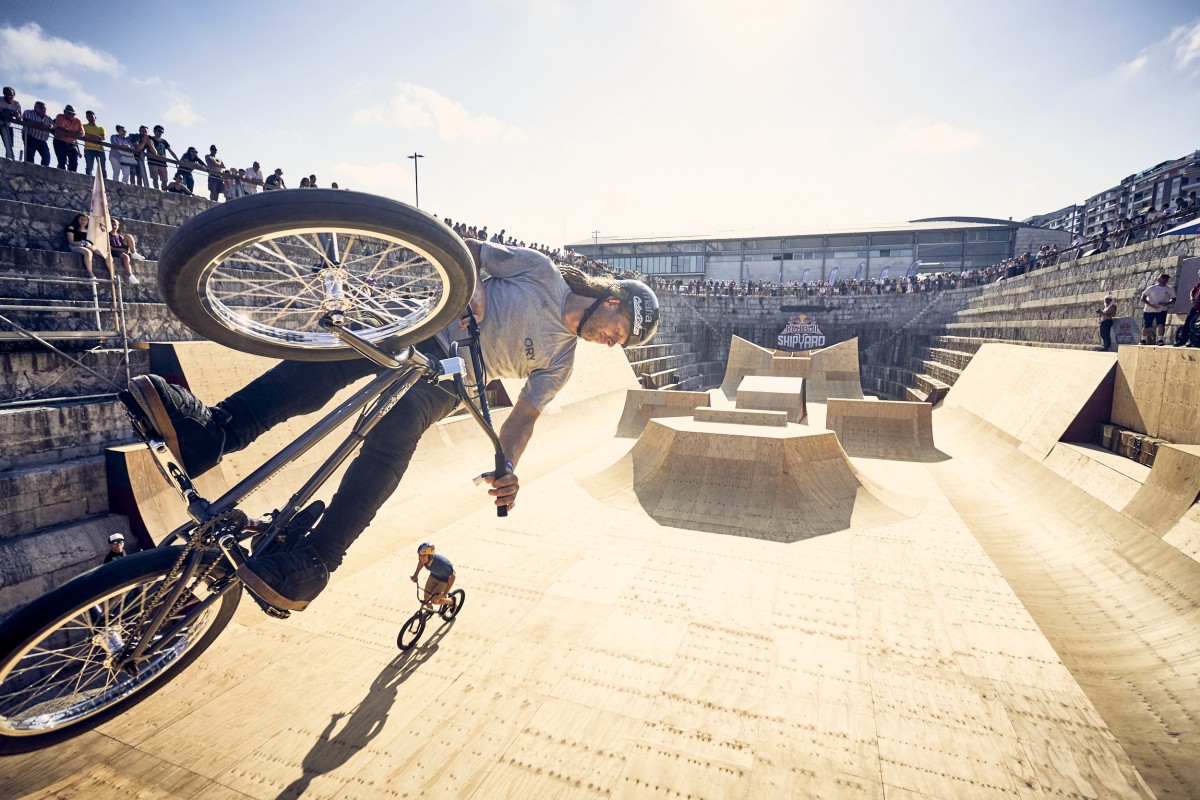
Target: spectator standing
275, 181
191, 160
215, 167
37, 124
254, 174
312, 181
1187, 334
1157, 298
158, 167
116, 155
67, 132
143, 146
93, 149
233, 185
10, 112
1107, 314
116, 547
304, 183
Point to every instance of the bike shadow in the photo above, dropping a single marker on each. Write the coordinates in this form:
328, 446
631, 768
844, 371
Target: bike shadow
365, 721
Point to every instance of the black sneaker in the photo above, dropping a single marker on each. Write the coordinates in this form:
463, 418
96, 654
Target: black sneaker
289, 581
194, 432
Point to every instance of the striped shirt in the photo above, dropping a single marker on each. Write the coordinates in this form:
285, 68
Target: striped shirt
41, 134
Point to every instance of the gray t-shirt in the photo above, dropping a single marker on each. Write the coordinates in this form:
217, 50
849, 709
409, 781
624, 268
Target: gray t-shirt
523, 334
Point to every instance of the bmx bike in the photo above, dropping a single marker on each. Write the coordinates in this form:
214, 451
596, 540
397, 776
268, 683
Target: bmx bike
414, 626
318, 275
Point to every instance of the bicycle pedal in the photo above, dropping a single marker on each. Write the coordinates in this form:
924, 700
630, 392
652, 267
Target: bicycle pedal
137, 418
268, 609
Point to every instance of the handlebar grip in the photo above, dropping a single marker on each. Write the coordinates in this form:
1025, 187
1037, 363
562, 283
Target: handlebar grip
503, 467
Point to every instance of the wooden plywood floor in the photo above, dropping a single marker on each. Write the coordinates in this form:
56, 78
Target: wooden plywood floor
601, 654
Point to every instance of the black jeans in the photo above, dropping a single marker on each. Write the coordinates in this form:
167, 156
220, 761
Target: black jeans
1106, 333
37, 147
296, 387
67, 155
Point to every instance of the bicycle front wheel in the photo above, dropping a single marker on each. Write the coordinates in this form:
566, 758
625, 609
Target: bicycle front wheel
58, 670
258, 273
411, 631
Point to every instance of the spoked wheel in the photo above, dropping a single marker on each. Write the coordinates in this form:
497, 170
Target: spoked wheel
411, 631
258, 273
60, 657
449, 612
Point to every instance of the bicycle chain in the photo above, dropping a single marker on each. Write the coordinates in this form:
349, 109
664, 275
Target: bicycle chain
204, 536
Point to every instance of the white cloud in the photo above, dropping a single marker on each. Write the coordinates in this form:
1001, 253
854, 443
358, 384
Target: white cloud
417, 107
938, 137
30, 57
1132, 68
179, 112
1186, 41
385, 178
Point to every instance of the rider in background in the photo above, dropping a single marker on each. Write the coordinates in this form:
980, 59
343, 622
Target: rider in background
441, 574
530, 314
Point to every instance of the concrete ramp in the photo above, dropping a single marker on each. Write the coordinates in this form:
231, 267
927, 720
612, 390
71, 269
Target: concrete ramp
643, 405
1034, 396
901, 431
782, 484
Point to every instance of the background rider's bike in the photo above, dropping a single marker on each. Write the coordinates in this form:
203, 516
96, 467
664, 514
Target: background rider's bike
414, 626
315, 275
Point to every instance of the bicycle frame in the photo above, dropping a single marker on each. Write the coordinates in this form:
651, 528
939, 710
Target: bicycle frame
401, 373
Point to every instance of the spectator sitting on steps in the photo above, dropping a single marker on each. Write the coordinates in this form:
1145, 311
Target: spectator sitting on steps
118, 243
78, 241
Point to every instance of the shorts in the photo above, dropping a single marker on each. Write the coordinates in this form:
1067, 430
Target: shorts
1153, 318
434, 586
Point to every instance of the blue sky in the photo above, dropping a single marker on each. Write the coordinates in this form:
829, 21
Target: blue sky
554, 119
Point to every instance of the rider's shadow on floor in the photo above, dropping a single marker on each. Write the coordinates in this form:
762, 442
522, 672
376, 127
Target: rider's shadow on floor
363, 722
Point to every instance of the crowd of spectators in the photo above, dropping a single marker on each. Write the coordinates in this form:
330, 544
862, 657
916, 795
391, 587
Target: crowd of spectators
139, 158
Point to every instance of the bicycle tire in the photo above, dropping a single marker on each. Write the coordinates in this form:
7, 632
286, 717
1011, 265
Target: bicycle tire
449, 612
248, 273
411, 632
63, 629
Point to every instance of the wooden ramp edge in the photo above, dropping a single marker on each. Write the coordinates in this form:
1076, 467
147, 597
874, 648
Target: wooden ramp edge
883, 429
1035, 396
780, 483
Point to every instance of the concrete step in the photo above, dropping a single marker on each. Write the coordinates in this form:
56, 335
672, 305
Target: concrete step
34, 563
36, 373
946, 374
60, 432
45, 495
952, 358
40, 227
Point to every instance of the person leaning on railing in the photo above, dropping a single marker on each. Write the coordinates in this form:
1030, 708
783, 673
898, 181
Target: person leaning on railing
10, 113
37, 126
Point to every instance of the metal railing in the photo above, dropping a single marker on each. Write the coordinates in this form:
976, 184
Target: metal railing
103, 315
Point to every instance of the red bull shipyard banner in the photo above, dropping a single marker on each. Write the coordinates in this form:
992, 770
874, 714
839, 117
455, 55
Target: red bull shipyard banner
801, 333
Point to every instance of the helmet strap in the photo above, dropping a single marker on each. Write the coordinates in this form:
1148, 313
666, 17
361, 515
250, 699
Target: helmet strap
588, 314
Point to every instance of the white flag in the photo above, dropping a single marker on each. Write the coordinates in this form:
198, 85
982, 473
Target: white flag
99, 223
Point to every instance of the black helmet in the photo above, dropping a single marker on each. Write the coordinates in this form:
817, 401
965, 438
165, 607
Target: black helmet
642, 306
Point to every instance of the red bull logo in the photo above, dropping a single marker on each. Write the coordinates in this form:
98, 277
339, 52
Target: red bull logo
801, 333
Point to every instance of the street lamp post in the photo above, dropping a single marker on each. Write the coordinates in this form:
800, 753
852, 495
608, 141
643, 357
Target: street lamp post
416, 178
